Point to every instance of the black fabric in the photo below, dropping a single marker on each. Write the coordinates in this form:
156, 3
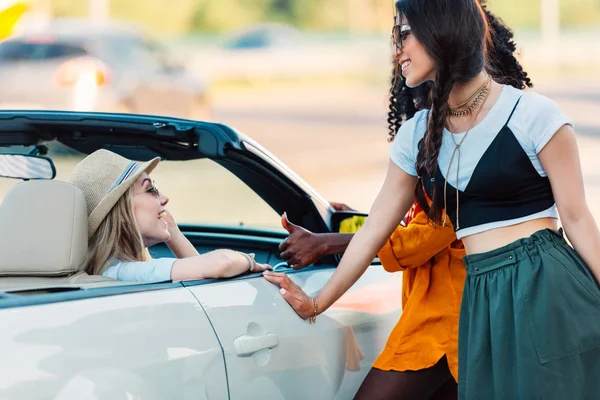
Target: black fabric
433, 383
505, 185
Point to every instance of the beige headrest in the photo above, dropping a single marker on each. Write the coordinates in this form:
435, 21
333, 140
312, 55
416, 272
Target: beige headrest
43, 229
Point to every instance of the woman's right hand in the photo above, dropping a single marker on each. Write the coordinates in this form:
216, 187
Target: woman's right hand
258, 267
292, 293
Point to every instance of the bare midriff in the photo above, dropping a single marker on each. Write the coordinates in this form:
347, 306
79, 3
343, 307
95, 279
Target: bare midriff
496, 238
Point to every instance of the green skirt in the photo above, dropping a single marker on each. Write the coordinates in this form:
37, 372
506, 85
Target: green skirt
529, 323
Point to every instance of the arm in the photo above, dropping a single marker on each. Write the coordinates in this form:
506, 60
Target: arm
392, 203
560, 159
415, 244
215, 264
303, 247
408, 247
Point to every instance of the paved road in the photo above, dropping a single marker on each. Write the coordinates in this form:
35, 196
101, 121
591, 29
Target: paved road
334, 135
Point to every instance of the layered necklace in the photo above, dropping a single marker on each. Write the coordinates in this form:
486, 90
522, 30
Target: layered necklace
473, 101
480, 97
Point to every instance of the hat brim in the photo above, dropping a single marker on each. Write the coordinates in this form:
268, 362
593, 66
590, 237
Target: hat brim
107, 203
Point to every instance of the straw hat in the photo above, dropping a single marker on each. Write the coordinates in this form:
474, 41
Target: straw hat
104, 177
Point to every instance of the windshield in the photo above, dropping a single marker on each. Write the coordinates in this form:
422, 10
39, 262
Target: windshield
200, 192
20, 50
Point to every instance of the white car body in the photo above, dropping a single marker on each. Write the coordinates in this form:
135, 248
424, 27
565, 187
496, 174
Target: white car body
212, 339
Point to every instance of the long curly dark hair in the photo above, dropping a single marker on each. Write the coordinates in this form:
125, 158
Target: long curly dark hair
494, 52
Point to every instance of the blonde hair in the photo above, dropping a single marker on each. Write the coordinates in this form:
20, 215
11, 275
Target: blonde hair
117, 237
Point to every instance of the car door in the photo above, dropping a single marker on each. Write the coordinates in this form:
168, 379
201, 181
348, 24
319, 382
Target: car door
271, 353
149, 341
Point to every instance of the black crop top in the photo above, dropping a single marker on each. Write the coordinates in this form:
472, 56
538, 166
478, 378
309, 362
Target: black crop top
501, 181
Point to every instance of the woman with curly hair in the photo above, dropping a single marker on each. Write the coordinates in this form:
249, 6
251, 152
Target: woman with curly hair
420, 360
498, 164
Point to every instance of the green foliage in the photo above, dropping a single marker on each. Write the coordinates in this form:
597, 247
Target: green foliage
69, 8
177, 17
518, 14
580, 12
211, 15
525, 14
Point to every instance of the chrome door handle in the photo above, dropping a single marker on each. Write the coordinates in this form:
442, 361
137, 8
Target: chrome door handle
281, 265
246, 346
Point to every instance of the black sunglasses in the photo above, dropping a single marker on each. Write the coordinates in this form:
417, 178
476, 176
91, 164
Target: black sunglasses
399, 35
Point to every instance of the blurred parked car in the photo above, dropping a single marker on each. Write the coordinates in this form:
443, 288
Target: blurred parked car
271, 51
74, 64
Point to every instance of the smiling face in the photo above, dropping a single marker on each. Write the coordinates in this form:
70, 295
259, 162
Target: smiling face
415, 63
149, 210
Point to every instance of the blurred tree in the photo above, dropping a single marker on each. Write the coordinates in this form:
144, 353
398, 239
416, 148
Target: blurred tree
211, 15
170, 17
525, 14
69, 8
295, 12
175, 17
580, 13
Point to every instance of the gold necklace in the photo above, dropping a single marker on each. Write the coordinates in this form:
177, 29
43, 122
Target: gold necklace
476, 98
454, 152
471, 97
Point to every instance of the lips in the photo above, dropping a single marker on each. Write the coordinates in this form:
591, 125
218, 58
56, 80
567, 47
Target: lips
404, 64
162, 215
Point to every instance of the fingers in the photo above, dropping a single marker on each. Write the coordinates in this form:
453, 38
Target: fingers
292, 260
340, 206
280, 279
293, 301
274, 277
284, 245
287, 225
291, 292
262, 267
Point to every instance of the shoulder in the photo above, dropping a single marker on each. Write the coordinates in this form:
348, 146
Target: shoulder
537, 118
535, 104
420, 121
414, 128
404, 149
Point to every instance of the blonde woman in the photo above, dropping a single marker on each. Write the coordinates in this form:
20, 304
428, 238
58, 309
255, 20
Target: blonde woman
127, 214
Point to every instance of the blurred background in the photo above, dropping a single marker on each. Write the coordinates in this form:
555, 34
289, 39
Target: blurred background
308, 79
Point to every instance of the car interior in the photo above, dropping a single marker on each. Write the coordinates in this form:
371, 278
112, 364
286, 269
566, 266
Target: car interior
43, 236
50, 257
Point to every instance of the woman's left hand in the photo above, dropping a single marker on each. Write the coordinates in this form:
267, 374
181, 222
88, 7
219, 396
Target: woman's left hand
178, 243
292, 293
171, 224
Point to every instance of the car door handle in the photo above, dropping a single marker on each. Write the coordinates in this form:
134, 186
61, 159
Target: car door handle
247, 345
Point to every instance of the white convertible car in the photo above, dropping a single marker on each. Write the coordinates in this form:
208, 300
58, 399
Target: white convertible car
67, 335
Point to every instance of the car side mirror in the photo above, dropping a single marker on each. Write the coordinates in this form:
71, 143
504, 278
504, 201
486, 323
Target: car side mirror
347, 221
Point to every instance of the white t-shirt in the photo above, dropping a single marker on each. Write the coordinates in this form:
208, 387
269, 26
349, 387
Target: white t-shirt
534, 122
154, 270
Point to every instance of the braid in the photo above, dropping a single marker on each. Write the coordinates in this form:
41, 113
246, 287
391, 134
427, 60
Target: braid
429, 146
404, 102
401, 105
